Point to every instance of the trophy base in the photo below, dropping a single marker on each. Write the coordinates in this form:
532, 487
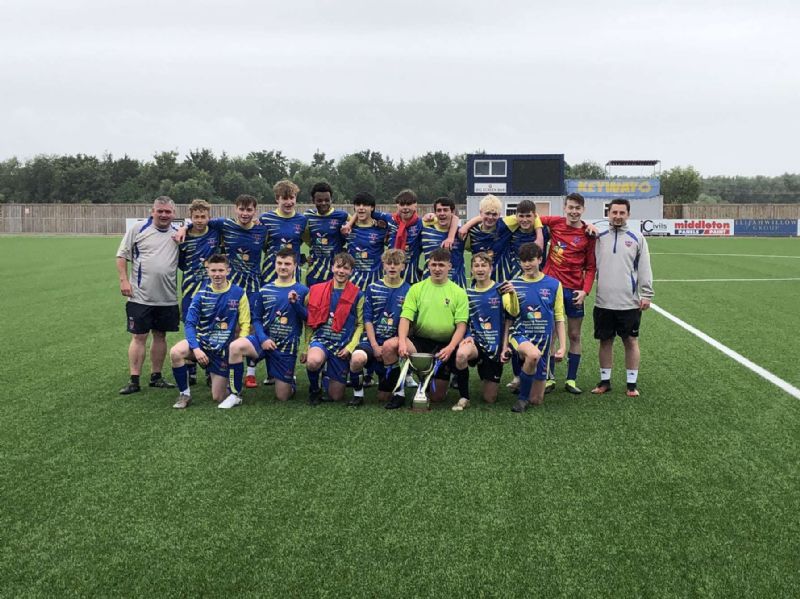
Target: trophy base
420, 403
418, 409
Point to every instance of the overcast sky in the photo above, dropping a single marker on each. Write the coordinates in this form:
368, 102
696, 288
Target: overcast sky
708, 83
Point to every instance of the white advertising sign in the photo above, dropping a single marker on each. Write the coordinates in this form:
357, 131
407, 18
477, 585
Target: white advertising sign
490, 188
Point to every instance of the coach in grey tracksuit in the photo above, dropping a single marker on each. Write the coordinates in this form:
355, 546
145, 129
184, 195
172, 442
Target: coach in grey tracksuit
624, 289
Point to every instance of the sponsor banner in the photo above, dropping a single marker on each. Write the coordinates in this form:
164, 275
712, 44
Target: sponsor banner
768, 227
705, 227
631, 189
658, 226
490, 187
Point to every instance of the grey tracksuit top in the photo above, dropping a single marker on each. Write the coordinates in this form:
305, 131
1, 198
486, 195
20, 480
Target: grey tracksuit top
623, 269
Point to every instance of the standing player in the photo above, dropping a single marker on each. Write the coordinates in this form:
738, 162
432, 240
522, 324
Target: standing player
433, 320
382, 305
279, 313
336, 319
490, 233
200, 244
436, 233
528, 229
365, 242
624, 290
541, 312
243, 239
152, 304
570, 260
486, 343
285, 229
322, 234
216, 313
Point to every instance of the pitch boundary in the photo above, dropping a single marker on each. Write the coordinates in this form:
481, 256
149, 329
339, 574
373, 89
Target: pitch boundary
722, 280
729, 255
760, 371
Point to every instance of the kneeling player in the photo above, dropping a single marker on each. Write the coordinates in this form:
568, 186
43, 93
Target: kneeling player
215, 314
279, 313
382, 305
336, 319
486, 344
541, 310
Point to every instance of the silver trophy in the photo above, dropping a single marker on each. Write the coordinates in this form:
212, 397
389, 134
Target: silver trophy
423, 366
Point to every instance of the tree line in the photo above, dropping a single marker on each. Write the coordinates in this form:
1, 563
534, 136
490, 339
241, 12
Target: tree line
221, 178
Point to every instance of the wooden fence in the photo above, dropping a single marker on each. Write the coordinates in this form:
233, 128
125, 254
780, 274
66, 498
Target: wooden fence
109, 219
106, 219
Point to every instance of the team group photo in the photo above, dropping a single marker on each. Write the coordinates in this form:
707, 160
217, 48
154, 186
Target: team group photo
347, 301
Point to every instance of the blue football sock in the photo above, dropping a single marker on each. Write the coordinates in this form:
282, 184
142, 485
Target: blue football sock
181, 375
235, 377
525, 385
313, 381
573, 361
516, 363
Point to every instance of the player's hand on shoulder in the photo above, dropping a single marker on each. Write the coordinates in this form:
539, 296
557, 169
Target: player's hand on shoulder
447, 244
180, 234
346, 228
463, 231
591, 230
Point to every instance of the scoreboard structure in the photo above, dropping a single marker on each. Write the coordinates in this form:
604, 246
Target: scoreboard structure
516, 177
540, 178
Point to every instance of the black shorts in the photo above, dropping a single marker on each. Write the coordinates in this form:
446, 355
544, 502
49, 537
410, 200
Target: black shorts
142, 318
429, 346
608, 323
489, 369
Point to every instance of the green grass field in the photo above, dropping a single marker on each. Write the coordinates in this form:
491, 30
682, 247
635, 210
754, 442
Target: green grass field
691, 490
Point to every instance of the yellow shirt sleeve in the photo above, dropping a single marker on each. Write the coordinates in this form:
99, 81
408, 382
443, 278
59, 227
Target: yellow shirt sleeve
511, 303
537, 222
244, 316
558, 309
359, 326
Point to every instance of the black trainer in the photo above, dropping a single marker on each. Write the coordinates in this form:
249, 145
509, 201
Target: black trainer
130, 388
395, 402
355, 402
314, 397
162, 383
520, 406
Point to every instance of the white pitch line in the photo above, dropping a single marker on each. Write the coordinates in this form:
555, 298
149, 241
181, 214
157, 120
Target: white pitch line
731, 255
762, 372
719, 280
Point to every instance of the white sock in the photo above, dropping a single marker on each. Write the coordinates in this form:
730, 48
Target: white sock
251, 371
187, 393
358, 393
631, 376
605, 374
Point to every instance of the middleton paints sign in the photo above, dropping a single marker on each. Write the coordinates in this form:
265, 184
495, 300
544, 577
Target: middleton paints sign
704, 227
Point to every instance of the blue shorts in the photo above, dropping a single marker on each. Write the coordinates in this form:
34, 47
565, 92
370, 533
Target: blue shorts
280, 364
217, 364
543, 343
570, 309
337, 369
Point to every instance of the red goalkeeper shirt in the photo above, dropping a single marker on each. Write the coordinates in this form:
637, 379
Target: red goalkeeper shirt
570, 255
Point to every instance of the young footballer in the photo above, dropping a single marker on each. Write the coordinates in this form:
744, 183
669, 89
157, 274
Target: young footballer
571, 261
382, 305
323, 234
490, 233
366, 241
285, 229
486, 342
336, 321
541, 313
439, 232
434, 320
200, 244
218, 313
278, 314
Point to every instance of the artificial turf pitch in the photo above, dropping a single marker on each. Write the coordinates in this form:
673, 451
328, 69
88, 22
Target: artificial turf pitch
692, 489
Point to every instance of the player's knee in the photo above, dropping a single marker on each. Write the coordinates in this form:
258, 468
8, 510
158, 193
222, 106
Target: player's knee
575, 337
358, 360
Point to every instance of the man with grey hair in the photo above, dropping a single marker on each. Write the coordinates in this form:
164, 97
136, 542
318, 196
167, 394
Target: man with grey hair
151, 290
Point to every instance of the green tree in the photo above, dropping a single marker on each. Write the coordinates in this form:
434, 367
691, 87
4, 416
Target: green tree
681, 185
585, 170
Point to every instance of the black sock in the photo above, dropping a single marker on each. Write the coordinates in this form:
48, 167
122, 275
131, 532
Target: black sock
462, 378
154, 376
631, 386
135, 379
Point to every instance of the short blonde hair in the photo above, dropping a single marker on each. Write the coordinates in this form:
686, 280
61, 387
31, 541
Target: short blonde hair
491, 203
483, 257
394, 256
285, 188
199, 205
